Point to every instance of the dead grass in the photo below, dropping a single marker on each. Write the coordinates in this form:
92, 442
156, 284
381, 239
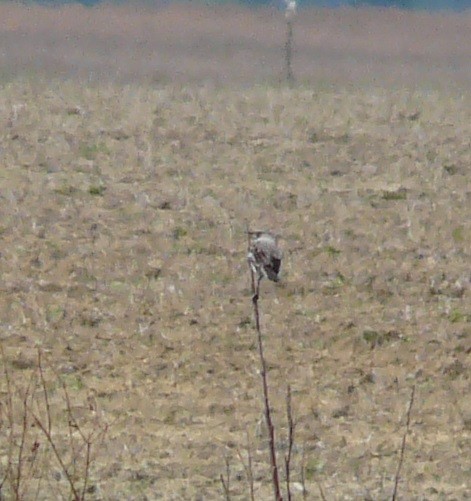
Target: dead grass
123, 257
49, 445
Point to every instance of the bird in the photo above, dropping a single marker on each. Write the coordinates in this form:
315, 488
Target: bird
264, 255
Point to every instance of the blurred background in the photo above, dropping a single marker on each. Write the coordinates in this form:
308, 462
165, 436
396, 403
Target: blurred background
403, 4
411, 43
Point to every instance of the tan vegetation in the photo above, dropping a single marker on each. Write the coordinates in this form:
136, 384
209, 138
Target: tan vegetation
123, 258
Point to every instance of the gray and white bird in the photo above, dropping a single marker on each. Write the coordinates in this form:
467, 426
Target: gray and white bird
264, 255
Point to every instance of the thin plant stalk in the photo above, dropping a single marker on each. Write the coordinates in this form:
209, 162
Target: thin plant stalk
290, 14
263, 375
226, 483
289, 52
289, 417
248, 467
403, 445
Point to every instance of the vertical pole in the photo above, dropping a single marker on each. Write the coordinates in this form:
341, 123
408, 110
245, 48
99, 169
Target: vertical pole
289, 52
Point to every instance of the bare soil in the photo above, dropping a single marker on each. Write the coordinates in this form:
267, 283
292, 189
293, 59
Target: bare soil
123, 255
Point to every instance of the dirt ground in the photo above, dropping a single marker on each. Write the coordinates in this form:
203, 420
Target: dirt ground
123, 259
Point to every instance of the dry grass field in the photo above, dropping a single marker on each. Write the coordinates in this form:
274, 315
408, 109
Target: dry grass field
122, 258
225, 46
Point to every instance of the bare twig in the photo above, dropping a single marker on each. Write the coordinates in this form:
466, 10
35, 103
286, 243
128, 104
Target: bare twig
46, 397
9, 412
252, 275
403, 445
226, 483
303, 473
76, 453
86, 439
86, 475
289, 417
36, 467
263, 375
9, 405
72, 427
321, 492
23, 436
57, 454
303, 478
25, 449
248, 467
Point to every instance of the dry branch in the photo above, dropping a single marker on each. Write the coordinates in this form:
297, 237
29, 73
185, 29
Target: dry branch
403, 446
248, 467
28, 457
226, 482
289, 417
263, 375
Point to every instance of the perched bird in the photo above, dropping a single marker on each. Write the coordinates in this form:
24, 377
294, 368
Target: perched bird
264, 255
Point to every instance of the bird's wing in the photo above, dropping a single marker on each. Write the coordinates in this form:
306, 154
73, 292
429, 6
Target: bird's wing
275, 265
